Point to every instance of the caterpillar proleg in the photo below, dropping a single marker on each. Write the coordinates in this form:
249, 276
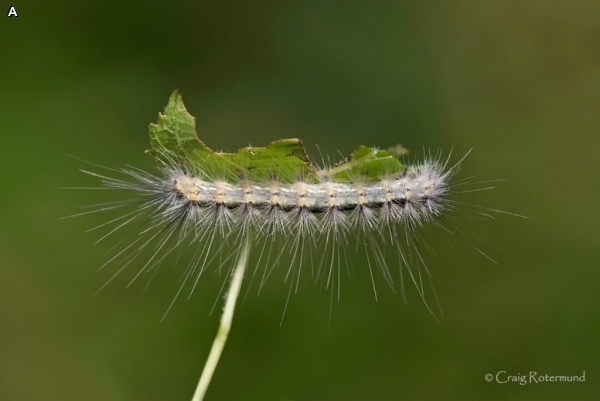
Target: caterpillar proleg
276, 200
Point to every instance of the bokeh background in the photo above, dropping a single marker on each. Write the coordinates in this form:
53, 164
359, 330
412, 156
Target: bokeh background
519, 82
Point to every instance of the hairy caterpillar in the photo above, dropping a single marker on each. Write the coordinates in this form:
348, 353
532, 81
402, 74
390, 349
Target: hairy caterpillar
275, 197
186, 203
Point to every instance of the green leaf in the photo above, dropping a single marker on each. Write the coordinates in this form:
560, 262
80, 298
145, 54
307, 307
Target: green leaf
174, 137
368, 164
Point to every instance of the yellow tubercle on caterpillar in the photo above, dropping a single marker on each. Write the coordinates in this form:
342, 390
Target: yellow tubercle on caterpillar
220, 192
330, 191
360, 190
248, 192
302, 192
387, 187
274, 190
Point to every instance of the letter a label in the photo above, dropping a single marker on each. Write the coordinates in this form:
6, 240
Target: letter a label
12, 12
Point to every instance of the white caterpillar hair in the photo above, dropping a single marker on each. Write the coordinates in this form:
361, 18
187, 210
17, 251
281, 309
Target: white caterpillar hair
187, 204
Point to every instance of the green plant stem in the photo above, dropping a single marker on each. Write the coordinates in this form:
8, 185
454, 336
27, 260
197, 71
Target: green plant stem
226, 319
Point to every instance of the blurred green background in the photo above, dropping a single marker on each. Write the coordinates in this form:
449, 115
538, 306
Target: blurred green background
517, 81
